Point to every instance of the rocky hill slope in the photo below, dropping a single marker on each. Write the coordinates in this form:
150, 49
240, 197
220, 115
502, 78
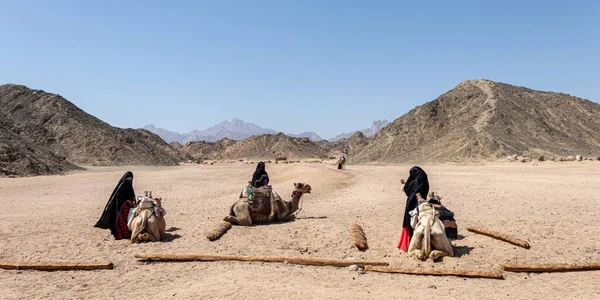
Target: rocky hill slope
58, 127
486, 120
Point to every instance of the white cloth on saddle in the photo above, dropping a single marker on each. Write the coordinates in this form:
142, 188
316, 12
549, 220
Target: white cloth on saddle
149, 203
143, 203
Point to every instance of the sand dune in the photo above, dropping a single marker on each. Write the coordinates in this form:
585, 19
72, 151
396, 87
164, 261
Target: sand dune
52, 217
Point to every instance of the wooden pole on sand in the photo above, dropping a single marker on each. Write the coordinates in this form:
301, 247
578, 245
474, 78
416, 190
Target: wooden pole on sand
55, 266
500, 236
437, 272
218, 231
360, 241
540, 268
292, 260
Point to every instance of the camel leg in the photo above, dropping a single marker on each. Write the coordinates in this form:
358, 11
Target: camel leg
274, 209
152, 229
162, 226
282, 213
435, 254
441, 242
240, 216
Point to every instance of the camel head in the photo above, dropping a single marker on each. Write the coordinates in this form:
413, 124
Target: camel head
302, 187
435, 196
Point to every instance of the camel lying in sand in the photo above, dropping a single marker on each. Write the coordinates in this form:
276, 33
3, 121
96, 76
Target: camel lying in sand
148, 223
268, 207
429, 232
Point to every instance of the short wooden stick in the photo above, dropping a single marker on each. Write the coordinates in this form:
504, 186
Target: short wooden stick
500, 236
360, 241
218, 231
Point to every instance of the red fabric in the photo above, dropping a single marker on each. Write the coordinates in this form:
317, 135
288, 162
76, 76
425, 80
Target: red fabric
122, 231
404, 240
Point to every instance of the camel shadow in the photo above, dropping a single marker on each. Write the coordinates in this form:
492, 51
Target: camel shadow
274, 223
461, 250
167, 238
312, 218
172, 229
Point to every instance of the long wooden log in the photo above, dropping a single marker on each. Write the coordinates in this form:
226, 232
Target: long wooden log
542, 268
55, 266
360, 241
437, 272
218, 231
500, 236
292, 260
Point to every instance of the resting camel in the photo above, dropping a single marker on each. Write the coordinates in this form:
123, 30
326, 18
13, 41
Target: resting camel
429, 232
266, 207
148, 223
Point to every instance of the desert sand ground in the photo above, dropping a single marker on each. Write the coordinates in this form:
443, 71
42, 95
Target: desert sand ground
552, 205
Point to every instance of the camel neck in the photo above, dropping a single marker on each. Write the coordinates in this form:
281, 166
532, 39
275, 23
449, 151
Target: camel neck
296, 195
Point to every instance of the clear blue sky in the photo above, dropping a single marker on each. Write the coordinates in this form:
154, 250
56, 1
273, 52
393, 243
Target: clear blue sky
293, 66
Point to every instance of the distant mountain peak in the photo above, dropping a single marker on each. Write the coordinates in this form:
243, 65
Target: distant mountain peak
376, 126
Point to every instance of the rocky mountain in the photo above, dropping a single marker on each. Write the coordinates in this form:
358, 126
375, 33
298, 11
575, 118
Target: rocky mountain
313, 136
166, 135
235, 129
45, 128
486, 120
264, 146
376, 126
19, 157
350, 145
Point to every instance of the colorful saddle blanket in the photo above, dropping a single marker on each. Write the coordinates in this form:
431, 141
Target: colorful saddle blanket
260, 201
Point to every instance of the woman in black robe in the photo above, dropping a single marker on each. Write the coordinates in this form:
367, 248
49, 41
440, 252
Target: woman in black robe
260, 176
417, 182
117, 208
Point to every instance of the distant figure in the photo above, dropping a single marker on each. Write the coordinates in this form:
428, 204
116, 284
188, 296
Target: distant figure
117, 208
341, 161
260, 176
417, 182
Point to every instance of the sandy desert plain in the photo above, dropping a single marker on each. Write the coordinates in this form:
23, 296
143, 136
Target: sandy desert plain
553, 205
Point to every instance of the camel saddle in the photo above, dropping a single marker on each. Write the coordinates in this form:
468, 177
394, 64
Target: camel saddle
261, 201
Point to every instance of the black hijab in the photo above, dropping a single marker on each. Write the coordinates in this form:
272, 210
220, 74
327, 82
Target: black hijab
416, 183
260, 176
122, 192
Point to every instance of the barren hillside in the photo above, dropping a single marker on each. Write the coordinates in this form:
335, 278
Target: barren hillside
262, 146
350, 145
485, 120
57, 126
20, 158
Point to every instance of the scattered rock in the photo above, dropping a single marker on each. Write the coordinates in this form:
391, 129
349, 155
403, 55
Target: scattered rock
353, 267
